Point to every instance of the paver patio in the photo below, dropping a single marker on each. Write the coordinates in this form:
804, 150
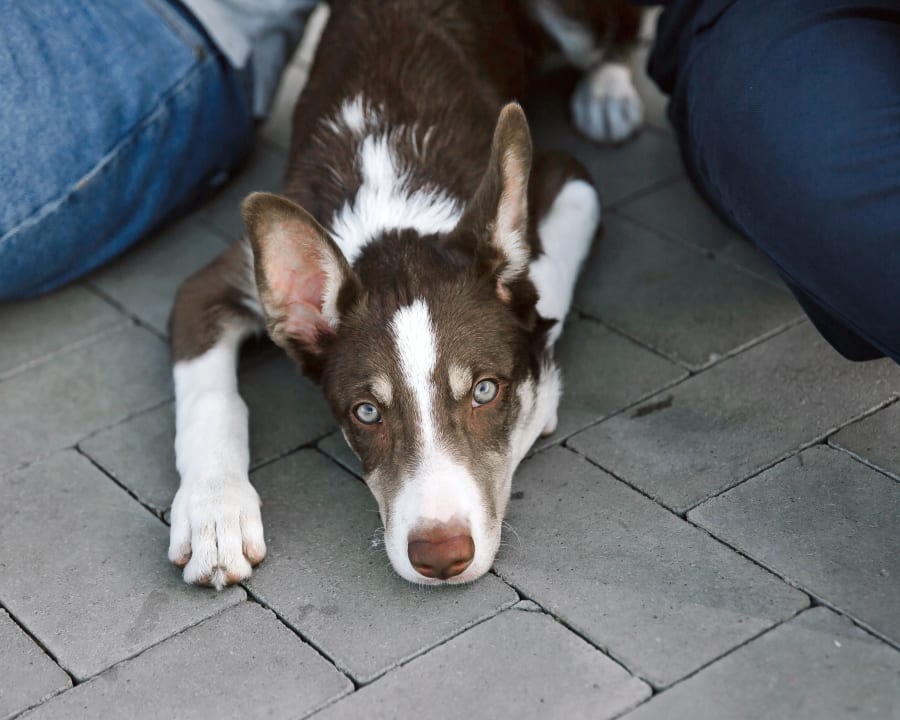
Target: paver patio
711, 533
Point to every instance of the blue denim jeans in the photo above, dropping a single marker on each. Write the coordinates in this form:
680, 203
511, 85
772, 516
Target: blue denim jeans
114, 116
788, 117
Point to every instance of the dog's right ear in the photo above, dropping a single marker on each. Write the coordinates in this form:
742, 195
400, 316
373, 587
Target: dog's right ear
302, 276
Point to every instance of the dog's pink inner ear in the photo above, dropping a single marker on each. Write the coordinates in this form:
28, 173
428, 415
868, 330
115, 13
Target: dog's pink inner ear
299, 270
296, 283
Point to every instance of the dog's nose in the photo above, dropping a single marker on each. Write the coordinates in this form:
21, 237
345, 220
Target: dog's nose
441, 551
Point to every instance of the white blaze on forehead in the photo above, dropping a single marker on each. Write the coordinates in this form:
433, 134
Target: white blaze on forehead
417, 354
460, 381
382, 390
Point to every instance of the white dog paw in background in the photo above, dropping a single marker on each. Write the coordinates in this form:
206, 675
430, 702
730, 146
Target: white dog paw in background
606, 106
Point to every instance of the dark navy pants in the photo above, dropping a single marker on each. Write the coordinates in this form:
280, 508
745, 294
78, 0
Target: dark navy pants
788, 116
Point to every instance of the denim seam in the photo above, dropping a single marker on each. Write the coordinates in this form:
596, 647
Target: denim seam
131, 136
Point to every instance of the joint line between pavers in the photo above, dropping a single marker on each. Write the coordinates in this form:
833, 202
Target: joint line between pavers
89, 285
816, 599
37, 641
635, 218
638, 490
157, 514
863, 461
718, 658
400, 663
641, 192
821, 439
69, 347
608, 652
259, 600
311, 445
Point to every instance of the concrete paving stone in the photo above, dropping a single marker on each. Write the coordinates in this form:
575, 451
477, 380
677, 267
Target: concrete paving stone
140, 454
27, 675
602, 373
145, 279
326, 577
816, 666
517, 665
60, 401
242, 663
679, 211
718, 428
874, 439
33, 329
286, 412
84, 567
277, 129
619, 171
338, 450
661, 596
825, 522
672, 298
264, 171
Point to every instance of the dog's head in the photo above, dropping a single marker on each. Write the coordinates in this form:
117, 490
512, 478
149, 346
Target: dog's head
430, 352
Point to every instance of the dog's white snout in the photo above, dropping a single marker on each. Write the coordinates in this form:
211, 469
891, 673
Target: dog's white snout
437, 529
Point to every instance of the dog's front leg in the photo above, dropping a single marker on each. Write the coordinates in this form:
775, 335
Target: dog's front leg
216, 533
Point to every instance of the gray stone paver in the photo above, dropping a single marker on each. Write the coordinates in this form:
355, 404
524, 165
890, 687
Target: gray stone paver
875, 439
242, 663
27, 675
723, 425
140, 454
677, 210
827, 523
673, 298
72, 394
816, 666
32, 329
663, 597
602, 373
84, 567
326, 579
338, 450
286, 410
145, 279
518, 665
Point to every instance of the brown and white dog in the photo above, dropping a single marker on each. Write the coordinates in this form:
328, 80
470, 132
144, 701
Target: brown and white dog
419, 267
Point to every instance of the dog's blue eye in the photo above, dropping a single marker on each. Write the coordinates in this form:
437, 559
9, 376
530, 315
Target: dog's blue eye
367, 413
484, 392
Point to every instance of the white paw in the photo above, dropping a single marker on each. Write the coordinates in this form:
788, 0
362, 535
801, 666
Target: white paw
217, 532
606, 106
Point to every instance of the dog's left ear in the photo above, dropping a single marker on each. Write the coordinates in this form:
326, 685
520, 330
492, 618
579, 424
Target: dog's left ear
497, 215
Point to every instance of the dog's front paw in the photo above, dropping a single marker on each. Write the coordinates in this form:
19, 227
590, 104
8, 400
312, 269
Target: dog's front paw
217, 532
606, 106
